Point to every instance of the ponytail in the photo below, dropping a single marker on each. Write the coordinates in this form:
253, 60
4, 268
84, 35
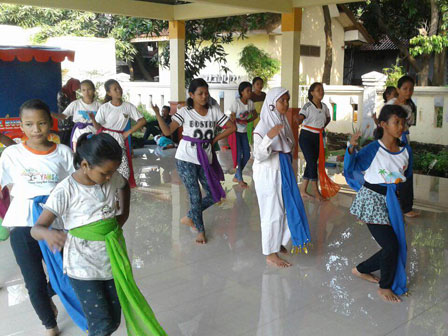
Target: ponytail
96, 149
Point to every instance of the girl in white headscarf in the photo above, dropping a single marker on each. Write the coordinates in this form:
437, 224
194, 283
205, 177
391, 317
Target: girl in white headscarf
272, 136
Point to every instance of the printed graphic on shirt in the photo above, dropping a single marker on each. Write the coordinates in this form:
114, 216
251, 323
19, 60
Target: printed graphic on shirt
85, 114
242, 118
34, 177
392, 177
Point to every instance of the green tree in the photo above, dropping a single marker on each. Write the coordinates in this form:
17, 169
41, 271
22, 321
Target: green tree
204, 38
257, 62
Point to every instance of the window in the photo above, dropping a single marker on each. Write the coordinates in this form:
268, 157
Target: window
309, 50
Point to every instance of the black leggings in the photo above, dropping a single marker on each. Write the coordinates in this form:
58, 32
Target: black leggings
29, 258
309, 144
384, 260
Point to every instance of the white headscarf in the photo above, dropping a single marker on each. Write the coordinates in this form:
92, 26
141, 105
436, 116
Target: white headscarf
270, 117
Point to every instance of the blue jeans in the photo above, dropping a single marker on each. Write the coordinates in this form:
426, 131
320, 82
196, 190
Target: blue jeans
100, 304
242, 153
191, 174
29, 258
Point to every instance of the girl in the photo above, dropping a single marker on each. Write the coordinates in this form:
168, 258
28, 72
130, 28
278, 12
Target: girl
315, 116
405, 89
95, 257
275, 182
388, 94
113, 117
257, 97
82, 111
33, 168
384, 163
195, 159
242, 112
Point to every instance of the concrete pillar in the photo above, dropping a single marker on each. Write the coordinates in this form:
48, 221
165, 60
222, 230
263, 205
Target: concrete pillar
372, 82
290, 62
177, 63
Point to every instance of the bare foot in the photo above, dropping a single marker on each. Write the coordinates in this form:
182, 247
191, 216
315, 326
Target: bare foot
243, 184
274, 260
283, 250
235, 180
368, 277
306, 195
388, 296
201, 239
53, 332
187, 221
412, 214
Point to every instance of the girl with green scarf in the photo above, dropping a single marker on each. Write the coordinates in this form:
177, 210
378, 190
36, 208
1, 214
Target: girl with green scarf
94, 204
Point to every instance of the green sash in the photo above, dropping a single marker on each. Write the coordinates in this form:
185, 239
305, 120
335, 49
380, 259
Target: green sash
140, 319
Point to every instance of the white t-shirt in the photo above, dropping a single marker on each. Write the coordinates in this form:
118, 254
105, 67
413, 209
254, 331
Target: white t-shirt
387, 167
117, 118
79, 205
32, 175
314, 117
242, 112
197, 126
80, 113
410, 116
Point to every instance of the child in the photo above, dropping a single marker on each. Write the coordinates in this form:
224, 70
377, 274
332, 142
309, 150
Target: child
82, 111
95, 257
388, 94
315, 116
33, 168
281, 208
242, 112
4, 193
164, 142
113, 118
195, 159
384, 163
405, 89
258, 97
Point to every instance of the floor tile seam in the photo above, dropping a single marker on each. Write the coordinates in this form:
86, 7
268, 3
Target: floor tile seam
413, 318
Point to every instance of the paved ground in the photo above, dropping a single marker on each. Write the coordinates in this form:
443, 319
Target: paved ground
225, 287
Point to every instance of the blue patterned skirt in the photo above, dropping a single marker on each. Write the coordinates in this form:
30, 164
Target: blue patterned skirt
370, 207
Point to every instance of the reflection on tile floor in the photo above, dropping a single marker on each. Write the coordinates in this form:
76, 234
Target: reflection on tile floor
225, 287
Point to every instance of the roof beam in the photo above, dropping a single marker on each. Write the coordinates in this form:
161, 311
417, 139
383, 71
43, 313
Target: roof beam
195, 11
313, 3
282, 6
140, 9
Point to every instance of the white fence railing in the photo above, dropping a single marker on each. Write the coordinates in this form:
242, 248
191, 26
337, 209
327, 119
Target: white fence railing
345, 103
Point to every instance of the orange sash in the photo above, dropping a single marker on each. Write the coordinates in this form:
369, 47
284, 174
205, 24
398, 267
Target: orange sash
327, 187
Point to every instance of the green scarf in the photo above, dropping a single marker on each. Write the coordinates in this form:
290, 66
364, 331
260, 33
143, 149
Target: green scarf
140, 319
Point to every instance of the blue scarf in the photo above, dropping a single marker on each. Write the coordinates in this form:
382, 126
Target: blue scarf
295, 211
355, 180
59, 281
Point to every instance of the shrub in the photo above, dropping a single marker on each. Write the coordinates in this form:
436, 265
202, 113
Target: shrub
257, 62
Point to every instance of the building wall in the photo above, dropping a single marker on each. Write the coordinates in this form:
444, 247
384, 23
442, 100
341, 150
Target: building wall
94, 57
311, 68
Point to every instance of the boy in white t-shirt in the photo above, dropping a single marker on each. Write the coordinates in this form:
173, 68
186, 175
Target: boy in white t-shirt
33, 168
242, 112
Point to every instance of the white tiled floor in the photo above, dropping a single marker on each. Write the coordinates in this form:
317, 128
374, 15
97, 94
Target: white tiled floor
225, 287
